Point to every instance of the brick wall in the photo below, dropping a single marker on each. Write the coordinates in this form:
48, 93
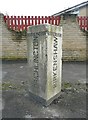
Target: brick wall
74, 40
14, 44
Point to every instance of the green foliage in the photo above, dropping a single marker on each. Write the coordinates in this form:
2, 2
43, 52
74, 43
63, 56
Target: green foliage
67, 85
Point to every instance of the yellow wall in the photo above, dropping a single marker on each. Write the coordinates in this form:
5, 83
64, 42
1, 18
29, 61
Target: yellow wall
83, 11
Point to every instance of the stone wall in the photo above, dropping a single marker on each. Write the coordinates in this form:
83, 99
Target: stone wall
14, 44
74, 39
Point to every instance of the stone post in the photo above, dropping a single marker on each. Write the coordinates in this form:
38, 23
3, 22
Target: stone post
45, 62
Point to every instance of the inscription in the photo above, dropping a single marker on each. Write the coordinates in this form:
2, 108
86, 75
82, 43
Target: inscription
35, 59
55, 52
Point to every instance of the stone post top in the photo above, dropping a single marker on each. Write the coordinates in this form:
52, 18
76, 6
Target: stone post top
44, 28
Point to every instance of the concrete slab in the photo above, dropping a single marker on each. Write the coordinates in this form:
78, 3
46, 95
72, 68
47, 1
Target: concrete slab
2, 74
19, 104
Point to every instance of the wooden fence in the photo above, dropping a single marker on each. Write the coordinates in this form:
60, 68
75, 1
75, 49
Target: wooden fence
83, 22
20, 23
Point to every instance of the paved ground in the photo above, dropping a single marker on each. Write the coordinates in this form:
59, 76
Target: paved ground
18, 104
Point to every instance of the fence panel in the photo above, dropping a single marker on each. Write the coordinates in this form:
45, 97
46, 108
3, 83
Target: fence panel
20, 23
83, 22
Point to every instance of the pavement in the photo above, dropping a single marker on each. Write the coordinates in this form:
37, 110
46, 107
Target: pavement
17, 103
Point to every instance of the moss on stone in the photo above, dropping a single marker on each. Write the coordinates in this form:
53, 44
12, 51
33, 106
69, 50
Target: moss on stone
67, 85
11, 86
13, 58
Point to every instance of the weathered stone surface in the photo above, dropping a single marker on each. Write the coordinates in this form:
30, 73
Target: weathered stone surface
12, 44
45, 64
